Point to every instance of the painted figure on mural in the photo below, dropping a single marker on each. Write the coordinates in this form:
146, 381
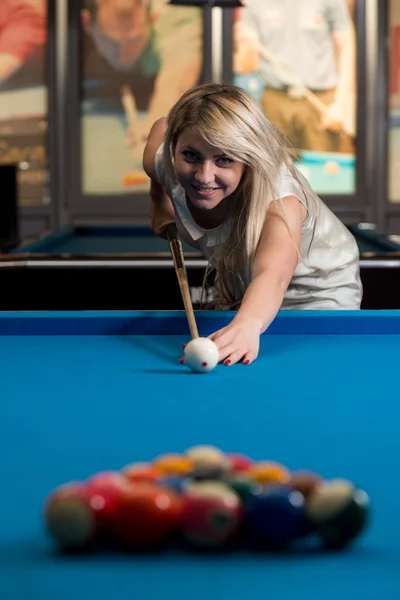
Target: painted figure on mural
23, 35
133, 45
300, 47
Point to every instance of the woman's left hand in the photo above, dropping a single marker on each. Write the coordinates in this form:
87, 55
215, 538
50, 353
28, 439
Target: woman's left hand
239, 341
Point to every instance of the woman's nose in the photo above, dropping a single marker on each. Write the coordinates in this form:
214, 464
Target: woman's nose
205, 173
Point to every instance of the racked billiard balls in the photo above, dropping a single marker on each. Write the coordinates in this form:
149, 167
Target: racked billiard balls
339, 512
211, 515
275, 516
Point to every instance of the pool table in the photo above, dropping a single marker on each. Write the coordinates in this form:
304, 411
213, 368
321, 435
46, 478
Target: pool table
129, 268
329, 173
84, 392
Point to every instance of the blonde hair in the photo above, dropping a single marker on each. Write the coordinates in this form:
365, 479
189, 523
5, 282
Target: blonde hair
227, 117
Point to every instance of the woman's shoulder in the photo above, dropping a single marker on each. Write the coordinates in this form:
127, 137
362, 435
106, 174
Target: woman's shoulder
152, 149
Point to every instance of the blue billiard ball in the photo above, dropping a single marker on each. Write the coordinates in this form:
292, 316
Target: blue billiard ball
175, 483
275, 515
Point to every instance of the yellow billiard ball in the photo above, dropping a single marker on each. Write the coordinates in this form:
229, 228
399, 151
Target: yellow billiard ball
269, 472
172, 464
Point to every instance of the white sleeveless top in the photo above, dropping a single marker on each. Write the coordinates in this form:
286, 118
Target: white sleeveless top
328, 275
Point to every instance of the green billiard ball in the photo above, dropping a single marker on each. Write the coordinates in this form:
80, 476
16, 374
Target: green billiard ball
339, 512
243, 486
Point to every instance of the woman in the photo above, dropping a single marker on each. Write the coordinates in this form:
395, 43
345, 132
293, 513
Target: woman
222, 172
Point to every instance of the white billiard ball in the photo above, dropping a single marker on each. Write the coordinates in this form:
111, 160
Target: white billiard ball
201, 355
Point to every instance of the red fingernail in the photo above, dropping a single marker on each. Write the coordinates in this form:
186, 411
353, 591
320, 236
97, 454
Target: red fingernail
182, 361
228, 362
246, 362
184, 345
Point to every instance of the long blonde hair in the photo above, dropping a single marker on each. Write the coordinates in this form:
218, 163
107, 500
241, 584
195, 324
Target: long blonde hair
227, 117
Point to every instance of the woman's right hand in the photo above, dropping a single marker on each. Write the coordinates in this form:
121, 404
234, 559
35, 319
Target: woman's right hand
161, 215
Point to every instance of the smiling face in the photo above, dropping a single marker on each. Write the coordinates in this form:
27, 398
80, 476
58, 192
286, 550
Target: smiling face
120, 30
206, 174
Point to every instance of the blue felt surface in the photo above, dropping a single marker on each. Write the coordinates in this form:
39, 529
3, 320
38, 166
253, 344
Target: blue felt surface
73, 405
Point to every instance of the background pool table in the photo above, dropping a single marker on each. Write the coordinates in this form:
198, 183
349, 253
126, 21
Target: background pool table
84, 392
329, 173
129, 268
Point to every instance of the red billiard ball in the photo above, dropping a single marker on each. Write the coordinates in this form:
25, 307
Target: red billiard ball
211, 514
104, 491
107, 478
140, 473
239, 462
146, 515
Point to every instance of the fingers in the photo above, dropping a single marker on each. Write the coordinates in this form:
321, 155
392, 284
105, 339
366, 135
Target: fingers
249, 357
217, 335
231, 351
233, 357
237, 356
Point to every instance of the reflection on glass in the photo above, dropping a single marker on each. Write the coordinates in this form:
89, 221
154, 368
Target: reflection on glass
138, 58
394, 102
298, 59
23, 95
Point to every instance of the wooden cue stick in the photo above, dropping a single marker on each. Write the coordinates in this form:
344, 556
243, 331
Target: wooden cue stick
129, 104
180, 269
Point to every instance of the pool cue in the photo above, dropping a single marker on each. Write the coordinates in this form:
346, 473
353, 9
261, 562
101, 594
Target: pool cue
130, 108
180, 270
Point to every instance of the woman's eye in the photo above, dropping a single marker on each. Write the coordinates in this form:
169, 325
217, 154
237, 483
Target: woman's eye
192, 156
225, 161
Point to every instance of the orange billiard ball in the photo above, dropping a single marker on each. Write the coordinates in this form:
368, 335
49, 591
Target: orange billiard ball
172, 465
269, 473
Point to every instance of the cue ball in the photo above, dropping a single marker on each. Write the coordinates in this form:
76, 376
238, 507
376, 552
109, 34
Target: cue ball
201, 355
